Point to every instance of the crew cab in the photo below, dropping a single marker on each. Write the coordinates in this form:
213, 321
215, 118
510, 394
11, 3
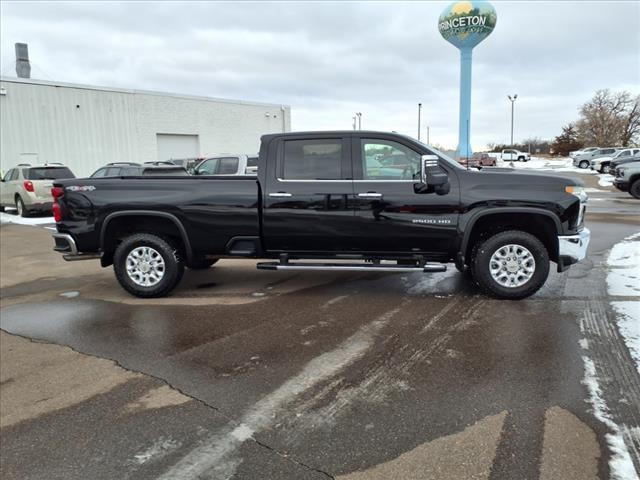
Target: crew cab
511, 154
317, 196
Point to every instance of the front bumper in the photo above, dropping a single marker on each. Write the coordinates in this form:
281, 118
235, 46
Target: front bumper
572, 248
620, 184
65, 244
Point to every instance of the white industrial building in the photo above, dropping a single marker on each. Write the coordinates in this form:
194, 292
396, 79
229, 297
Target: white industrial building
85, 127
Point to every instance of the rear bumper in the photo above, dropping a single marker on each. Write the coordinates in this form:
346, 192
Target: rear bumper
65, 244
572, 248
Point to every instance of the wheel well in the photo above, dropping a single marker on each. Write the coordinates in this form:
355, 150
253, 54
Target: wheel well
633, 178
539, 225
121, 227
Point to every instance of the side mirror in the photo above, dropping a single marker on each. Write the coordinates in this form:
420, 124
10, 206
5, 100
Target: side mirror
430, 172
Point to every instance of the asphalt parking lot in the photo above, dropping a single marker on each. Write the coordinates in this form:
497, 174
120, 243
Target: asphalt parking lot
272, 375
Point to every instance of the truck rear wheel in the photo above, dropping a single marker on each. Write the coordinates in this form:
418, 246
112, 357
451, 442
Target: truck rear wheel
147, 265
511, 265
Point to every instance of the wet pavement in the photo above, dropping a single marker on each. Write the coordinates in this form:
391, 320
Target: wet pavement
255, 375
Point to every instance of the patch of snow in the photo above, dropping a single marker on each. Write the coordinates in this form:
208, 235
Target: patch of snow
70, 294
629, 326
620, 463
584, 343
605, 180
623, 261
18, 220
157, 450
242, 433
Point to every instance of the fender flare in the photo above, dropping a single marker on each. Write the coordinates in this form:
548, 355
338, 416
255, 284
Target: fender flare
148, 213
468, 227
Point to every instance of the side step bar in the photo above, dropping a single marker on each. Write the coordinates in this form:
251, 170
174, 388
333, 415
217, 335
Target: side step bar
358, 267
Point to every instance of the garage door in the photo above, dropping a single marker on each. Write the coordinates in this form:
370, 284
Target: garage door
177, 146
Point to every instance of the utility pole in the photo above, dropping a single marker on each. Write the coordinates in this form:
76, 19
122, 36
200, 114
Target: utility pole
512, 100
427, 134
419, 110
359, 114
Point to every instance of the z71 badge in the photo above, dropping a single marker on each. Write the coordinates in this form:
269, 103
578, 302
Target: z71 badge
81, 188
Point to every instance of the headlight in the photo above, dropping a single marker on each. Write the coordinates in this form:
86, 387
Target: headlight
578, 192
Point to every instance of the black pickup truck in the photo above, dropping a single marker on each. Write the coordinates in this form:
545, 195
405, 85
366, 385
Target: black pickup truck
352, 200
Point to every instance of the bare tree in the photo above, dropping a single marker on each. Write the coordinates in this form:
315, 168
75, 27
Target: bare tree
630, 134
609, 119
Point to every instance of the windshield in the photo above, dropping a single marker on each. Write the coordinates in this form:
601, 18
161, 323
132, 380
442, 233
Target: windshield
47, 173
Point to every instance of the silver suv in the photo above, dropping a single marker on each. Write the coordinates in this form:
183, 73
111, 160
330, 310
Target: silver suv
628, 178
27, 188
583, 160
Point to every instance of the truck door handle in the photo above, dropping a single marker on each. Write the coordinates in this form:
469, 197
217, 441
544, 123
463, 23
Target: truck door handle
279, 194
370, 195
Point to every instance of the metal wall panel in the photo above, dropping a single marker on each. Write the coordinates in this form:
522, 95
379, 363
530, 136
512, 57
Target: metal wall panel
85, 127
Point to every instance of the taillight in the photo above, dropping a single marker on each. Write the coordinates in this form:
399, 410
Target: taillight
56, 193
28, 185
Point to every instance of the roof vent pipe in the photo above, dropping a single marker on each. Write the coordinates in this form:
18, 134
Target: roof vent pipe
23, 67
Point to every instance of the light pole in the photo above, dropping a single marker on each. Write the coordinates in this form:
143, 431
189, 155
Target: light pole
512, 100
419, 110
427, 135
354, 122
359, 114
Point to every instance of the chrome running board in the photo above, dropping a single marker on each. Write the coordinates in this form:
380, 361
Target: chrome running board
357, 267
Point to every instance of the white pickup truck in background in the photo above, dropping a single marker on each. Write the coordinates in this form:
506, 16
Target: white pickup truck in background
228, 164
511, 154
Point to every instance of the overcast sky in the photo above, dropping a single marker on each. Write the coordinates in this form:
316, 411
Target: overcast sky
328, 60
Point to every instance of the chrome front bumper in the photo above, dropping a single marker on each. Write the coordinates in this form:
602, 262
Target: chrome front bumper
572, 248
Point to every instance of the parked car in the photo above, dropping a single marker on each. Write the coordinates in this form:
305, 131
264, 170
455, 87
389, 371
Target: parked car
28, 187
575, 153
188, 163
627, 178
226, 164
315, 197
583, 160
511, 155
602, 164
479, 160
621, 161
126, 169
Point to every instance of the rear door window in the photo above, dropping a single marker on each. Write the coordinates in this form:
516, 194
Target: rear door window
312, 160
228, 166
47, 173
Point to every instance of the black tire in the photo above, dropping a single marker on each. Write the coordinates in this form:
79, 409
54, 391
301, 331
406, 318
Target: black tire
521, 159
634, 189
173, 271
605, 169
20, 208
201, 263
481, 258
584, 164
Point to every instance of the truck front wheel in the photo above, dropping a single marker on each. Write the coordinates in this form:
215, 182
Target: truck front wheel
634, 189
147, 265
511, 264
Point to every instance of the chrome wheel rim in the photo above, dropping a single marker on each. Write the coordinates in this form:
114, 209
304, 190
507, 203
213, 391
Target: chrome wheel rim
512, 266
145, 266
